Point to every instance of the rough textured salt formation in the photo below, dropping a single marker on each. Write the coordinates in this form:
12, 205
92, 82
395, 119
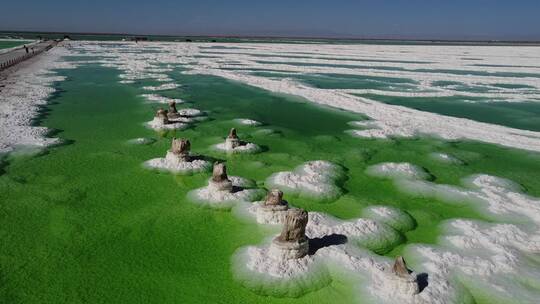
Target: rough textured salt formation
224, 191
488, 259
179, 160
292, 242
24, 92
393, 217
233, 144
315, 179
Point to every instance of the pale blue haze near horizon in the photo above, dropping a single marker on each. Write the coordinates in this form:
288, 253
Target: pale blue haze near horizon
456, 19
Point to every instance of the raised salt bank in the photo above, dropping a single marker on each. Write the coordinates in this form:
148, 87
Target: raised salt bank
233, 144
179, 160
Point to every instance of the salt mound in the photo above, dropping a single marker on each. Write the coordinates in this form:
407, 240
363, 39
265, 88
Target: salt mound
210, 197
157, 124
393, 217
314, 179
246, 148
181, 167
256, 269
397, 170
247, 122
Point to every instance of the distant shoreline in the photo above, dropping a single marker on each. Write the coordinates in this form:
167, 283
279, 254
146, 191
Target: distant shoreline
233, 38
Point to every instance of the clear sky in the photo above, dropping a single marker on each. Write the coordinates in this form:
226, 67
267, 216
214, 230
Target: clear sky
428, 19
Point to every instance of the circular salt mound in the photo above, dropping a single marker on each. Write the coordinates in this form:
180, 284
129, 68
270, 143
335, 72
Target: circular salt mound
245, 148
314, 179
141, 141
397, 170
185, 167
393, 217
209, 197
259, 272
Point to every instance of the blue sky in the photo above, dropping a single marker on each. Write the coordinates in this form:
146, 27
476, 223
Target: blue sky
428, 19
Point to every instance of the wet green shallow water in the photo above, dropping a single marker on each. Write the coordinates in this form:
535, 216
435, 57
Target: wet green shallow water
84, 222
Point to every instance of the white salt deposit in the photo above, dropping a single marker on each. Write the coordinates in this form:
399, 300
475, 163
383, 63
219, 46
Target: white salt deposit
162, 87
393, 217
25, 91
446, 158
397, 170
210, 197
141, 141
243, 148
157, 124
247, 122
173, 164
490, 259
314, 179
161, 99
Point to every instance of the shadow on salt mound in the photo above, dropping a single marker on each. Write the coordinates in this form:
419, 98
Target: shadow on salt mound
318, 180
396, 218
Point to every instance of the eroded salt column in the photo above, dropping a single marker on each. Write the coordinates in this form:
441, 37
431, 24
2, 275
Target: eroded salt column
161, 117
405, 280
292, 243
220, 181
274, 209
232, 141
173, 112
179, 151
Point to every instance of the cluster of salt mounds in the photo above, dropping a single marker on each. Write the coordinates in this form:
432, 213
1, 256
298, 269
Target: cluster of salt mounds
280, 268
233, 144
247, 122
223, 191
179, 160
24, 92
315, 179
173, 119
492, 260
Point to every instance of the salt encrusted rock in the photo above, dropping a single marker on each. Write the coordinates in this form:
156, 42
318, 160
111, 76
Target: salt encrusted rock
233, 144
178, 159
232, 141
179, 151
172, 113
220, 180
162, 116
274, 209
161, 121
405, 280
292, 243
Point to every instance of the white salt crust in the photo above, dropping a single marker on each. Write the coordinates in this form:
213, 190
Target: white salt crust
156, 98
157, 124
247, 122
314, 179
446, 158
490, 259
162, 87
172, 164
244, 148
141, 141
210, 197
25, 91
388, 120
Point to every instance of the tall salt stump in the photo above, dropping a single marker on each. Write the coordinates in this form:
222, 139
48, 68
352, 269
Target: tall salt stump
220, 181
179, 151
173, 112
274, 208
232, 141
292, 243
405, 279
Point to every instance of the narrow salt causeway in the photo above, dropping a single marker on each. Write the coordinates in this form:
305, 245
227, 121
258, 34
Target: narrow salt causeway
223, 191
247, 122
295, 263
233, 144
317, 180
179, 160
